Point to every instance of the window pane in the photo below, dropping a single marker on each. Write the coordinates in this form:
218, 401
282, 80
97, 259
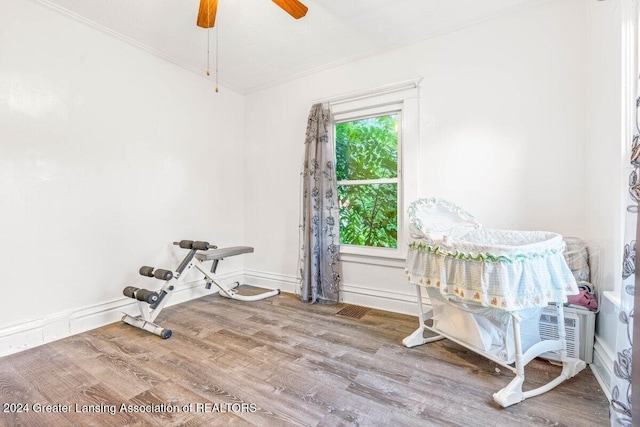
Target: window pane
368, 215
367, 148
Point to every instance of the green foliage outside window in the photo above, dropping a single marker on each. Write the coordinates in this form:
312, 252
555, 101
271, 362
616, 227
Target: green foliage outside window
367, 150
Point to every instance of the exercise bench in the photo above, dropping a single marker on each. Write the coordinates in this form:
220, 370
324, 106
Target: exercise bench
151, 303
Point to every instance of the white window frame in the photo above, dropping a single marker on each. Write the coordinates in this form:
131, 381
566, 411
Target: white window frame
403, 99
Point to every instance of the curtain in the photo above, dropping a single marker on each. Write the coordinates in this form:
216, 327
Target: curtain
320, 218
621, 381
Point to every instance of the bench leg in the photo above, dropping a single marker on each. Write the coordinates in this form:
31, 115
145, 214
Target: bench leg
138, 322
233, 294
230, 292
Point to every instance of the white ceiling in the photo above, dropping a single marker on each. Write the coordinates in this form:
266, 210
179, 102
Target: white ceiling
260, 45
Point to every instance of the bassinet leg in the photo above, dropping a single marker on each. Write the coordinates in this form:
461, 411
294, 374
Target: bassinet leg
417, 337
570, 365
512, 393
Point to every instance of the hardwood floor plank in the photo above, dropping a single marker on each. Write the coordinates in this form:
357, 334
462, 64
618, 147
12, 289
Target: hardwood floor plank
20, 396
100, 406
68, 377
226, 385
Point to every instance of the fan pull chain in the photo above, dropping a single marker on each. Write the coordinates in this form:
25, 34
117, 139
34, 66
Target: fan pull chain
217, 32
208, 37
209, 50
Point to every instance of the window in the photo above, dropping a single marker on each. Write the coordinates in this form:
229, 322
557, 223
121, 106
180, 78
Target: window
376, 140
368, 176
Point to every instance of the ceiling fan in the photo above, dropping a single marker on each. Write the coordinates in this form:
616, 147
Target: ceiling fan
208, 9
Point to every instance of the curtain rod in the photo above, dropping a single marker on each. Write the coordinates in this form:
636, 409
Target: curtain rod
363, 94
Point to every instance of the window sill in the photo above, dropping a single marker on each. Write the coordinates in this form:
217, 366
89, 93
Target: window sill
613, 297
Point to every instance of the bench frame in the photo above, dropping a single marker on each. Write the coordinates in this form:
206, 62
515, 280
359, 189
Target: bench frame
195, 259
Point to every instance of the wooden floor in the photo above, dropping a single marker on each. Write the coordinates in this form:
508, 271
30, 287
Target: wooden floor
276, 362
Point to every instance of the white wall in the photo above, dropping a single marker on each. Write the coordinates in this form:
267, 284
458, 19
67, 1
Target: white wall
503, 132
605, 142
107, 155
609, 101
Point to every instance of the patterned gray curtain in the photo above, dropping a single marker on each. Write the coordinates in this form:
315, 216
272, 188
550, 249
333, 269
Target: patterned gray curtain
621, 381
320, 265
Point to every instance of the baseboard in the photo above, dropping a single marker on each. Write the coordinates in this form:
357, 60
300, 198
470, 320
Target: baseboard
263, 279
397, 302
601, 367
35, 332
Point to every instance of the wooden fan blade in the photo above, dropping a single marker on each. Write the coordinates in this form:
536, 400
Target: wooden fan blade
292, 7
207, 13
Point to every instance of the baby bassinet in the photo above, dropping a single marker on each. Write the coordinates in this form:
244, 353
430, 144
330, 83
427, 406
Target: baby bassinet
487, 289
